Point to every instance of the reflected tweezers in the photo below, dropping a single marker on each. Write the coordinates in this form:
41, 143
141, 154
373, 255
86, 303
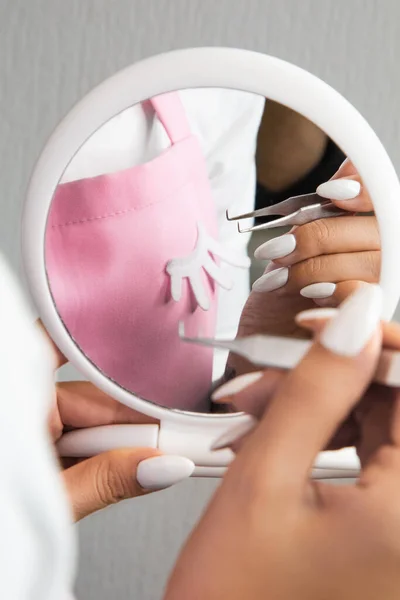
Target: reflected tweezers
296, 210
285, 353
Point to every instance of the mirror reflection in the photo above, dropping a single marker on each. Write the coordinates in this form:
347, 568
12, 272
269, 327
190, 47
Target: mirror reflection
138, 243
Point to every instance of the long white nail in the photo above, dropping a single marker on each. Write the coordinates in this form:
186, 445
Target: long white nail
339, 189
234, 434
234, 386
356, 320
272, 281
276, 248
318, 290
161, 472
315, 313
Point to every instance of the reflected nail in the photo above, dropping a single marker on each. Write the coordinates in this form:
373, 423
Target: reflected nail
276, 248
315, 314
339, 189
233, 435
160, 472
234, 386
272, 281
318, 290
355, 322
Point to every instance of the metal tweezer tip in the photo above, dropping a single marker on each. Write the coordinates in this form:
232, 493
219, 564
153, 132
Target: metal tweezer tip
238, 217
245, 230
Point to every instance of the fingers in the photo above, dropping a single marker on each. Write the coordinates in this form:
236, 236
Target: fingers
307, 258
340, 291
377, 417
315, 319
121, 474
324, 236
316, 397
81, 404
363, 266
257, 388
249, 393
346, 191
327, 270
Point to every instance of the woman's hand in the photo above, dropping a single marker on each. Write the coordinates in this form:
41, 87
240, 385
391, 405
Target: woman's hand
252, 393
271, 532
94, 483
321, 262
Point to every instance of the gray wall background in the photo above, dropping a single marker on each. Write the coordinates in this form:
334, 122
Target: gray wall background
52, 52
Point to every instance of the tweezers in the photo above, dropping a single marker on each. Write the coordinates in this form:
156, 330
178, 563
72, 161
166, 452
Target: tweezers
296, 210
285, 353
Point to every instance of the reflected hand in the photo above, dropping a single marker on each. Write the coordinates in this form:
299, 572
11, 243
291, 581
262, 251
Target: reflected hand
325, 260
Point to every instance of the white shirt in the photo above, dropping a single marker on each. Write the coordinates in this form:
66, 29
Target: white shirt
37, 543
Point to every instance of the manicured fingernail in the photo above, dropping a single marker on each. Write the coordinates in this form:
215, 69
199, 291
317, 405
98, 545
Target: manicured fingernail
339, 189
234, 386
272, 281
234, 434
276, 248
355, 322
315, 314
318, 290
160, 472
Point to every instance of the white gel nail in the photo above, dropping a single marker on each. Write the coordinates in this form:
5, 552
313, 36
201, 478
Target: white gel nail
339, 189
272, 281
355, 322
318, 290
160, 472
276, 248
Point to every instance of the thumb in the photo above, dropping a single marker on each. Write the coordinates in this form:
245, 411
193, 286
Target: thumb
346, 191
118, 475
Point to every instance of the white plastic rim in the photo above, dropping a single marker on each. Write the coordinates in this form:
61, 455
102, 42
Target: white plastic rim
200, 68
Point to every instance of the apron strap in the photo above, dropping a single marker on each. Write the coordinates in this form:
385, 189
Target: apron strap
171, 113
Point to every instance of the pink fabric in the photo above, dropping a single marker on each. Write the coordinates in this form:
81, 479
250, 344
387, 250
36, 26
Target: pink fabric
109, 239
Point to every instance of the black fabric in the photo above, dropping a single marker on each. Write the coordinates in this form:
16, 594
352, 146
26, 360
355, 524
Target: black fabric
328, 165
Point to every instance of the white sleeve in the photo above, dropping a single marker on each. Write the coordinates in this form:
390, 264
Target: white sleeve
37, 543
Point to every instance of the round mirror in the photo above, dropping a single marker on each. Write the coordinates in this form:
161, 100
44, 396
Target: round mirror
138, 243
139, 229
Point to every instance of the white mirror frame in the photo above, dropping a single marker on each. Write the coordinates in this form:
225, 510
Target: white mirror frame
180, 432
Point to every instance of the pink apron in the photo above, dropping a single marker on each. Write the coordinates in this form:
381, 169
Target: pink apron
131, 254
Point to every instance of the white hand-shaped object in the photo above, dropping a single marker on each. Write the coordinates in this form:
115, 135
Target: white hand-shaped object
202, 258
